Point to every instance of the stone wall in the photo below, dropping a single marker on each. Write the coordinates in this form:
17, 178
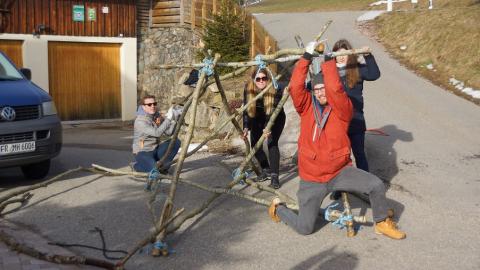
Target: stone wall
178, 45
169, 45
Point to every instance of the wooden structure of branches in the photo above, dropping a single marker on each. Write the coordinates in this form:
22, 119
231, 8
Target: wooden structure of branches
161, 224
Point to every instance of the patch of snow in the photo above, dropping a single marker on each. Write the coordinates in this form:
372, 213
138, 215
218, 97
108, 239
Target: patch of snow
403, 47
378, 3
471, 92
453, 81
467, 90
370, 15
430, 66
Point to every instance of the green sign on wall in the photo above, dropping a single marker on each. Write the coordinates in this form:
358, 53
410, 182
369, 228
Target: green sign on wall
92, 14
78, 13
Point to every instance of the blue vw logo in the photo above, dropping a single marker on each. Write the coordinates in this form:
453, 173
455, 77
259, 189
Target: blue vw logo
7, 113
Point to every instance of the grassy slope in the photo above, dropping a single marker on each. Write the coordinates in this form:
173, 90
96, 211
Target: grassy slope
278, 6
449, 38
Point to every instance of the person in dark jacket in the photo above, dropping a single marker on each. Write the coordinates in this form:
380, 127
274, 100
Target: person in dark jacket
352, 74
324, 163
255, 119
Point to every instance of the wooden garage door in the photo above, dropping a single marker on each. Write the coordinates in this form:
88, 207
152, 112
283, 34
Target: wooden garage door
13, 49
84, 80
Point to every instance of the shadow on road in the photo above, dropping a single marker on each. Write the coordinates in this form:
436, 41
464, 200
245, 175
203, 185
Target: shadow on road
381, 153
329, 259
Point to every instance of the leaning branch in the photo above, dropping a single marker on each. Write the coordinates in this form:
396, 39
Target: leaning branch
285, 55
20, 191
53, 258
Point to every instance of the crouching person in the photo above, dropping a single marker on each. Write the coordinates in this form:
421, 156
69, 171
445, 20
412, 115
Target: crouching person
151, 136
324, 162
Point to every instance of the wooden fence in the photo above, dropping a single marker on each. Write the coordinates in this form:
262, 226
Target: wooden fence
195, 13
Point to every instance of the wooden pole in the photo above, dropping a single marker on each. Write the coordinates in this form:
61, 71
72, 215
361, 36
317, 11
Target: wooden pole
149, 238
53, 258
192, 13
239, 111
182, 12
23, 190
348, 212
252, 37
234, 121
284, 55
168, 206
204, 13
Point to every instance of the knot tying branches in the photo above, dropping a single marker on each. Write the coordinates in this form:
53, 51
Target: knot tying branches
263, 65
208, 66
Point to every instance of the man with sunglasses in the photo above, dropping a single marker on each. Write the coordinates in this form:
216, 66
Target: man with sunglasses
324, 162
151, 136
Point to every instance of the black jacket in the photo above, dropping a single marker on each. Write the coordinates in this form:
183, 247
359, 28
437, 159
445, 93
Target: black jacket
368, 72
260, 110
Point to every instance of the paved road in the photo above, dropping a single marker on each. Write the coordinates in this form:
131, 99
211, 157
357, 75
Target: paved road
431, 157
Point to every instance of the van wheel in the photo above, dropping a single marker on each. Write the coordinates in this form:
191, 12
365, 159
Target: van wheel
36, 170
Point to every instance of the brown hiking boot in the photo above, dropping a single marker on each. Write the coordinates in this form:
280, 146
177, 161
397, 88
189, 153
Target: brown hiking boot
389, 228
272, 210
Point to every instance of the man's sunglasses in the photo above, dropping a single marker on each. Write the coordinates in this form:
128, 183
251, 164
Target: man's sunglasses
259, 79
150, 104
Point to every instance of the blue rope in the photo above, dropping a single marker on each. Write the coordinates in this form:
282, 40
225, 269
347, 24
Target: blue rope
158, 245
208, 66
236, 175
153, 175
327, 211
341, 222
263, 65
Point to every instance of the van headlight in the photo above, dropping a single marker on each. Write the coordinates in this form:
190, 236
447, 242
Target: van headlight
48, 108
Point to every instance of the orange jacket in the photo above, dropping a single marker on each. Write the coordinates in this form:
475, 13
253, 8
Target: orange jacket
321, 153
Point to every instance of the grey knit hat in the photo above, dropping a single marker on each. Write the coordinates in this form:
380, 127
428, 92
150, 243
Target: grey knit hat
317, 79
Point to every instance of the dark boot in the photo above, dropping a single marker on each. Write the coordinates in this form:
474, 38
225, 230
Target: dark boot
264, 175
274, 183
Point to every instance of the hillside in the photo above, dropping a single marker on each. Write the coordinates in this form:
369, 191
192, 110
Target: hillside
278, 6
440, 44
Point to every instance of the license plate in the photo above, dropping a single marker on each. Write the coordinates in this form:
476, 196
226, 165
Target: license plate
14, 148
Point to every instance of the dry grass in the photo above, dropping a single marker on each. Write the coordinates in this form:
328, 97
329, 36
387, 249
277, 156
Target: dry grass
447, 37
278, 6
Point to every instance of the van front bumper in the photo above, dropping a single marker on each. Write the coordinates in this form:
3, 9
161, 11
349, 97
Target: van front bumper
46, 132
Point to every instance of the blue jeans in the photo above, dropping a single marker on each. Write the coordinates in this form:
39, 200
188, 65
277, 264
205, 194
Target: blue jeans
145, 161
357, 141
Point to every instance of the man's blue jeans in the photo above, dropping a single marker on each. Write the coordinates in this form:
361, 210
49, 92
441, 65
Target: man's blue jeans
146, 161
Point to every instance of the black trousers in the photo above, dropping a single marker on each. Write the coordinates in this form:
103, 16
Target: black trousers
258, 124
357, 141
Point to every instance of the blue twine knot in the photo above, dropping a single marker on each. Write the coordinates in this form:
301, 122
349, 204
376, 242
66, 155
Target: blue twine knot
327, 211
236, 174
263, 65
158, 245
208, 66
163, 245
341, 222
153, 175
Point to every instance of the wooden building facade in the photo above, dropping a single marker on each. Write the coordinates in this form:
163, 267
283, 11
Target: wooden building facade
101, 18
84, 53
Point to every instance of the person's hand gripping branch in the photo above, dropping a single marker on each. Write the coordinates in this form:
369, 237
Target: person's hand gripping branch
315, 46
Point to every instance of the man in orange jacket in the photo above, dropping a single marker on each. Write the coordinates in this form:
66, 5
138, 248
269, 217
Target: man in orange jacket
324, 162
